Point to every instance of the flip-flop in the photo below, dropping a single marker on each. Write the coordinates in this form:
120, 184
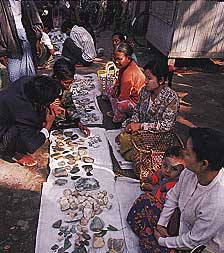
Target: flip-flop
26, 160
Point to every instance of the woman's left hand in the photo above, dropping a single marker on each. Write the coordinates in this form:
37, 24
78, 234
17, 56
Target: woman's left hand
133, 127
162, 230
157, 234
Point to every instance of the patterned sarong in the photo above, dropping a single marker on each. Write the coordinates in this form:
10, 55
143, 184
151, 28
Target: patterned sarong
143, 217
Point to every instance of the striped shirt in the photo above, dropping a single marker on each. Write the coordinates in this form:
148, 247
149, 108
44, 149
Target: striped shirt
84, 41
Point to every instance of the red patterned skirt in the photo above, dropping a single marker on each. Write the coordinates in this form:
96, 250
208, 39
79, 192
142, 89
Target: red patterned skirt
143, 217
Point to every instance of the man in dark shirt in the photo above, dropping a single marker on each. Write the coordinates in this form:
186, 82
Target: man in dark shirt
25, 116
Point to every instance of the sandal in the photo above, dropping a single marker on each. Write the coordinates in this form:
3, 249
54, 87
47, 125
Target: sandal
110, 114
26, 160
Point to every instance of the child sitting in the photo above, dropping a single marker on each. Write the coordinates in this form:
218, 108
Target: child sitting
144, 213
160, 182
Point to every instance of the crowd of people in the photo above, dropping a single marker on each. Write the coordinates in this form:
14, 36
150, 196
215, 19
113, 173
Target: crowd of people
190, 181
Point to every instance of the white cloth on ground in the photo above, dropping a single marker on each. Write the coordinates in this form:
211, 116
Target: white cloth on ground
50, 212
101, 154
202, 213
128, 190
81, 84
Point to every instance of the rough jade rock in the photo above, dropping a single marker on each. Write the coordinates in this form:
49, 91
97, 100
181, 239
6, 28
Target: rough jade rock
75, 177
86, 184
98, 242
88, 159
57, 224
68, 133
86, 236
61, 181
61, 250
54, 247
97, 224
60, 172
67, 244
115, 245
74, 136
74, 170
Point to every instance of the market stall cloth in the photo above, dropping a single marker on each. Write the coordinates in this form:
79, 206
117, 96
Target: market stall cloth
111, 135
50, 212
88, 80
85, 90
69, 149
128, 190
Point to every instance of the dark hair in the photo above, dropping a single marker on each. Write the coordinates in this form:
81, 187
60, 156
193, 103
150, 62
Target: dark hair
158, 67
120, 35
66, 25
208, 144
123, 38
124, 48
176, 151
63, 69
42, 90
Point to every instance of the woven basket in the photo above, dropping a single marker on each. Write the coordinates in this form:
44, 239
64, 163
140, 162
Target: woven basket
149, 150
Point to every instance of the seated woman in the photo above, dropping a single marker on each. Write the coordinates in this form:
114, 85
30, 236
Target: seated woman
125, 94
158, 104
118, 37
144, 213
25, 116
199, 194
